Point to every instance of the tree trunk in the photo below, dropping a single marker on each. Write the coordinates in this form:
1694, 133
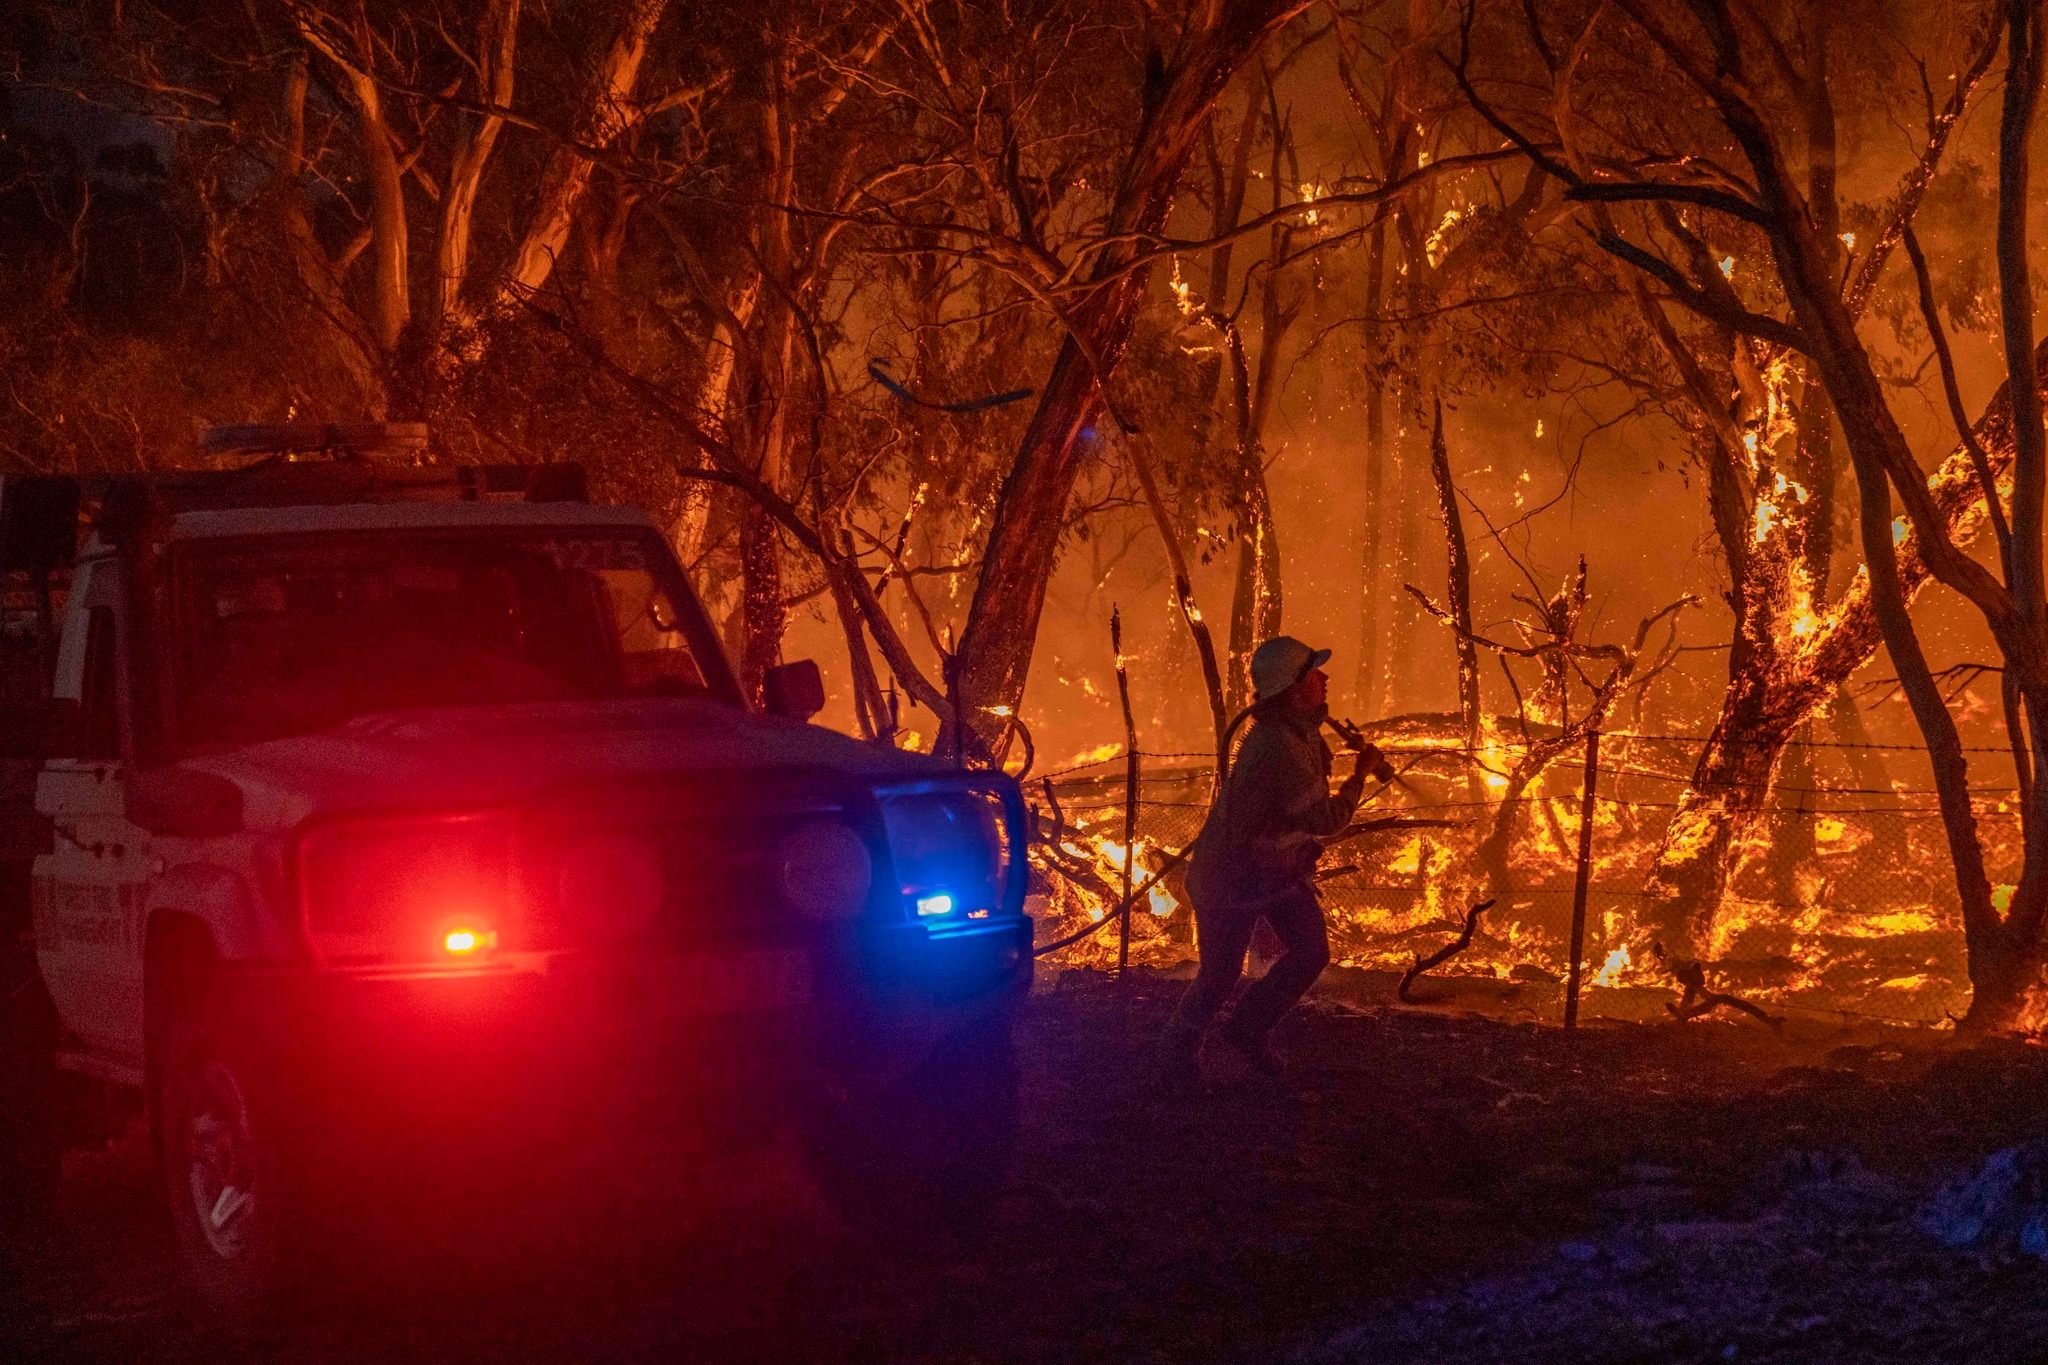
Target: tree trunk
1403, 693
1184, 595
390, 290
1023, 543
497, 40
1255, 603
1367, 688
1763, 709
355, 349
2002, 985
607, 110
1459, 574
869, 711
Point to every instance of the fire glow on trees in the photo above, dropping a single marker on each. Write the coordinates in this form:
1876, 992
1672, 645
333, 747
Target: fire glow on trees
677, 246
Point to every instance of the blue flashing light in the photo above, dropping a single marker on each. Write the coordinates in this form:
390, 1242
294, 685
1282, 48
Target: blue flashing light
934, 905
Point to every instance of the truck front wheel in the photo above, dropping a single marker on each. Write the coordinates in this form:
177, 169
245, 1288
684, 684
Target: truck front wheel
31, 1124
222, 1167
933, 1150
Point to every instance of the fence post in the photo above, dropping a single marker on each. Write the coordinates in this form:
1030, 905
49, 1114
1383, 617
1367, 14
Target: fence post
1578, 949
1123, 692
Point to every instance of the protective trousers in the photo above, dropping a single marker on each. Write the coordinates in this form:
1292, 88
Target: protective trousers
1225, 934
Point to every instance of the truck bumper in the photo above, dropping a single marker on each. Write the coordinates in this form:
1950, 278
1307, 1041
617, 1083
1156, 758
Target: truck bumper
738, 1033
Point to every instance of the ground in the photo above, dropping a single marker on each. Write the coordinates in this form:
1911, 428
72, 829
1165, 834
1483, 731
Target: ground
1456, 1182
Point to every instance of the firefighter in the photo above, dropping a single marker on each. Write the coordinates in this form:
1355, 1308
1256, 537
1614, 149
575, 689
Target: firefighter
1256, 857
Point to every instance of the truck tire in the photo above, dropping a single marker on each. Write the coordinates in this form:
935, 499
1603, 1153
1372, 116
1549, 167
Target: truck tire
224, 1167
31, 1117
930, 1152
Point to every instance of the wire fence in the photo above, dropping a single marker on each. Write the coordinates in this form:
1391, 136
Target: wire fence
1840, 896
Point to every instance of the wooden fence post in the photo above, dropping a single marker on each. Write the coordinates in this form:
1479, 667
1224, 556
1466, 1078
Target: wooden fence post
1123, 692
1578, 948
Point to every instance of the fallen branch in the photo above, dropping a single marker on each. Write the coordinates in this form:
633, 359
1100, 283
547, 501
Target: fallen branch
1443, 954
1080, 875
1698, 1000
1076, 870
1113, 916
1352, 831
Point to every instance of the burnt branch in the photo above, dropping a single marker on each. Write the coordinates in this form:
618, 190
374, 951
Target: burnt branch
1699, 1000
1930, 313
1658, 192
1705, 303
1124, 908
1443, 954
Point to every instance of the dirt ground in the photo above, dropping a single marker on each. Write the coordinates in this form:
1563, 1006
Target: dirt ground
1457, 1182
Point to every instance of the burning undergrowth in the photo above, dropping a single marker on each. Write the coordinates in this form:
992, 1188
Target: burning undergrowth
1837, 896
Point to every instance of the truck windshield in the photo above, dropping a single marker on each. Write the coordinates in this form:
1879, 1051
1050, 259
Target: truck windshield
281, 637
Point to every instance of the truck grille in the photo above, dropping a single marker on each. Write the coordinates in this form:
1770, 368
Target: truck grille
669, 864
678, 863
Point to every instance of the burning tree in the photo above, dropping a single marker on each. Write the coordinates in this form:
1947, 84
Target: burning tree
887, 307
1550, 640
1749, 72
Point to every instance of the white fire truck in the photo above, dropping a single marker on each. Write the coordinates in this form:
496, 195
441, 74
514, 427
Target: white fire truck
376, 794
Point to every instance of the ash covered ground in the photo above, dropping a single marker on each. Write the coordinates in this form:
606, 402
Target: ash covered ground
1448, 1183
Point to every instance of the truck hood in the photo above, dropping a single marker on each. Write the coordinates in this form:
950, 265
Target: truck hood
498, 755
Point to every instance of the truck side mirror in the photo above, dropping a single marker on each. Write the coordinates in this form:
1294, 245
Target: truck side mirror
795, 690
48, 727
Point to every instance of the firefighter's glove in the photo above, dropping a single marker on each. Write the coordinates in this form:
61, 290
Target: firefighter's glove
1371, 760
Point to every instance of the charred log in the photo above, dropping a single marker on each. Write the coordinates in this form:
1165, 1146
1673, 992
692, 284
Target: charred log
1443, 954
1698, 1000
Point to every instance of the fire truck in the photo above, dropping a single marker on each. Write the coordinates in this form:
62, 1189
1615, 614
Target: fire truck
356, 803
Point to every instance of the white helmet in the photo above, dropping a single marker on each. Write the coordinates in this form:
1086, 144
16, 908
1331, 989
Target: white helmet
1282, 662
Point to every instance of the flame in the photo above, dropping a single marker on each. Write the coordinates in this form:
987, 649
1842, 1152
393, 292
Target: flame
1780, 417
1434, 246
1800, 618
1310, 192
1885, 924
1183, 296
1095, 896
1107, 855
1857, 918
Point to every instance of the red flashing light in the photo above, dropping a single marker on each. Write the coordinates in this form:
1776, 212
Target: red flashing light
467, 942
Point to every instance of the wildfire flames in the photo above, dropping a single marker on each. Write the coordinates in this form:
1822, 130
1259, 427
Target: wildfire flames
1862, 920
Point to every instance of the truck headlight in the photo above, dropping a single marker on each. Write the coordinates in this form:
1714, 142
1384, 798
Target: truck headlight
823, 870
951, 851
406, 889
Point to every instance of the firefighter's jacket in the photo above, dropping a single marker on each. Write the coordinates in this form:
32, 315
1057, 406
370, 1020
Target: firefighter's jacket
1265, 832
